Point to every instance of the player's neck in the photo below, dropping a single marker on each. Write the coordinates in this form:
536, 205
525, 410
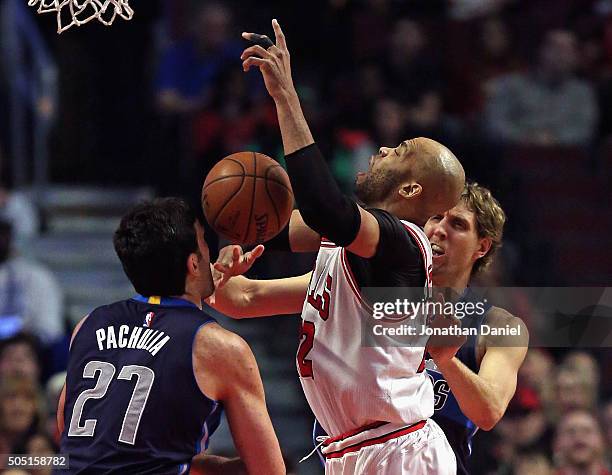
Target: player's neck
456, 282
194, 299
400, 210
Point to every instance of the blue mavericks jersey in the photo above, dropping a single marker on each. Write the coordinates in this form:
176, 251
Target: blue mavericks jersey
459, 430
133, 405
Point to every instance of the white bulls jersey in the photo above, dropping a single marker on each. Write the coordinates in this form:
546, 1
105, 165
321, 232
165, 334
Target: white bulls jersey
349, 385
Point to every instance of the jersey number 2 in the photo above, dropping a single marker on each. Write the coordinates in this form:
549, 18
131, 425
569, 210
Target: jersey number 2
131, 420
307, 333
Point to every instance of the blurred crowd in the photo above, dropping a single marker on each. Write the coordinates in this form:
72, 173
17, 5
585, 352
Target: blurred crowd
504, 83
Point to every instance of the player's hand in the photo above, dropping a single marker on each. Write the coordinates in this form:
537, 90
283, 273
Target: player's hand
233, 261
273, 62
443, 348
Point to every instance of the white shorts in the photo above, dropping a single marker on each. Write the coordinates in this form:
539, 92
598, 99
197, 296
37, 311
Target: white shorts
391, 449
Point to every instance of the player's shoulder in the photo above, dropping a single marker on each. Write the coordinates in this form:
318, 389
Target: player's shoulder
213, 342
400, 228
501, 316
498, 317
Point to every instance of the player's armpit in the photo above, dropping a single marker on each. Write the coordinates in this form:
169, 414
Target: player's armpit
226, 371
247, 298
301, 237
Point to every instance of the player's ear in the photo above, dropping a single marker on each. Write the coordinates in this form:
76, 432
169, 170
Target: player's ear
484, 245
193, 264
410, 190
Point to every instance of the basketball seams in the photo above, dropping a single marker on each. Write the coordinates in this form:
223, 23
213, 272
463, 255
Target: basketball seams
250, 176
253, 195
230, 159
227, 202
278, 221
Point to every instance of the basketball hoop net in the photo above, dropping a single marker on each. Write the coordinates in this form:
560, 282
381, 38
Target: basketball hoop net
78, 12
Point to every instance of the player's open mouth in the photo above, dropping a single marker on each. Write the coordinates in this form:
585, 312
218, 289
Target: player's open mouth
437, 250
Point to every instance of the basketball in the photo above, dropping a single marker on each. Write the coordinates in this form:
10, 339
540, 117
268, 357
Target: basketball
247, 198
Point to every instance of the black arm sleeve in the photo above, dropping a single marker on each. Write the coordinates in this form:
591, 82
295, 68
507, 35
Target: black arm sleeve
323, 206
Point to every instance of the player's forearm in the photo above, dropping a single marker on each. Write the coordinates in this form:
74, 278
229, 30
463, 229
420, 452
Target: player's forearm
478, 398
248, 298
293, 126
323, 207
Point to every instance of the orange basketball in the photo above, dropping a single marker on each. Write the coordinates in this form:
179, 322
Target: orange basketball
247, 198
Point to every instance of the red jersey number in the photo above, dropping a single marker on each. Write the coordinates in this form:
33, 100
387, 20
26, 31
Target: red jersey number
321, 302
307, 333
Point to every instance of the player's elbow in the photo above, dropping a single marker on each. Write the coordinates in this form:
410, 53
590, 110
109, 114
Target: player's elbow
489, 417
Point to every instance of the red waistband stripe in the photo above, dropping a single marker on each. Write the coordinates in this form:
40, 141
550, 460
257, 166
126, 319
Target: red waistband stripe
376, 440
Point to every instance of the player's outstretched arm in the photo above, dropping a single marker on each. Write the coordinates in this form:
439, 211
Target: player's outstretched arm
323, 207
248, 298
226, 371
484, 397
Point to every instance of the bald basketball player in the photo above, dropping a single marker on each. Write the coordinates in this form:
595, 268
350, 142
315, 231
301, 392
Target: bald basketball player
374, 402
472, 386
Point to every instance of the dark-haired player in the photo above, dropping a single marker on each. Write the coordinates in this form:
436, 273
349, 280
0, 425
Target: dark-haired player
375, 402
149, 377
472, 386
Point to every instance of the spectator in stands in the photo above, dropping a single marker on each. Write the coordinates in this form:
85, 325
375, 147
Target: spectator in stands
525, 424
41, 445
579, 445
189, 69
21, 413
469, 9
547, 105
607, 425
575, 390
584, 363
17, 209
535, 375
411, 67
19, 358
53, 391
532, 462
30, 297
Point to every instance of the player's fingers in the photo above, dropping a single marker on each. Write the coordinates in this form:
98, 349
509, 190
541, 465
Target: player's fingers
257, 251
221, 268
277, 52
280, 36
255, 50
255, 38
236, 255
258, 62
